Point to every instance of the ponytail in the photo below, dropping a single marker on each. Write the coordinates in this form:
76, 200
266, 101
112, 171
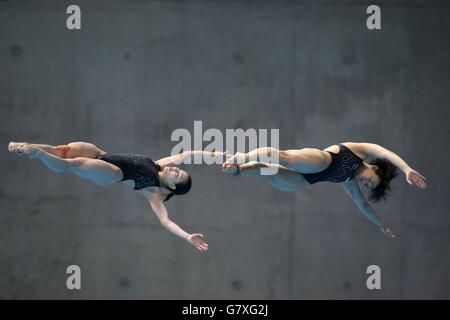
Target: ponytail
180, 188
170, 195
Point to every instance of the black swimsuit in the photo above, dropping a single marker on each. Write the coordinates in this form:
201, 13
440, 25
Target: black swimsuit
141, 169
343, 167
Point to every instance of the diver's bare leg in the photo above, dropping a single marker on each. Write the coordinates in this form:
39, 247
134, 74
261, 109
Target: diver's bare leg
70, 150
306, 160
99, 171
284, 179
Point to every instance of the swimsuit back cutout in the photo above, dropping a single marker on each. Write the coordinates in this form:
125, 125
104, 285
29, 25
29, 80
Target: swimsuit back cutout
343, 167
141, 169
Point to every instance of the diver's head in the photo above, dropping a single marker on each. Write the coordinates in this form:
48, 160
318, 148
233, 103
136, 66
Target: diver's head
376, 176
177, 181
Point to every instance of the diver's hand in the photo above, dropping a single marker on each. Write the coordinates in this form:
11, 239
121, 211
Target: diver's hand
413, 177
230, 168
387, 231
196, 239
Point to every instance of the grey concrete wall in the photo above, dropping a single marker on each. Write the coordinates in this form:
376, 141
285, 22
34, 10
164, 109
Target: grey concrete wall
140, 69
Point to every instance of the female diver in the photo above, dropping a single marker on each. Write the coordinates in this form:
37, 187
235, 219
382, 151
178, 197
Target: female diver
346, 163
156, 181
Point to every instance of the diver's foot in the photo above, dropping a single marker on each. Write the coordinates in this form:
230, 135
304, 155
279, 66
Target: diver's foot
231, 169
24, 148
16, 147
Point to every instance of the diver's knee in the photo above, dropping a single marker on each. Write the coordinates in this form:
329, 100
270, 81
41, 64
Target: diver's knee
76, 162
63, 150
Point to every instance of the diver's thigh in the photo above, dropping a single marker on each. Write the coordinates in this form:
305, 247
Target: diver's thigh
83, 149
99, 171
306, 160
288, 181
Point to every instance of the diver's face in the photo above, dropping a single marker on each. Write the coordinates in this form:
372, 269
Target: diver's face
174, 175
368, 177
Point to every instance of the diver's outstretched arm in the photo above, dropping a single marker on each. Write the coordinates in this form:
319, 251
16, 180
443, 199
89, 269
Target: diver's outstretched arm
196, 239
182, 157
353, 191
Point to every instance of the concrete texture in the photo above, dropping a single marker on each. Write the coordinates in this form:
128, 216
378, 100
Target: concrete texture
137, 70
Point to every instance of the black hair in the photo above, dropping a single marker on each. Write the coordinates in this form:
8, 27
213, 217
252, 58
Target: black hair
386, 171
180, 188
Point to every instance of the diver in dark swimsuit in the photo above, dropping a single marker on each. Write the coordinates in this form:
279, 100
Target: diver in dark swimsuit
343, 167
141, 169
348, 163
157, 181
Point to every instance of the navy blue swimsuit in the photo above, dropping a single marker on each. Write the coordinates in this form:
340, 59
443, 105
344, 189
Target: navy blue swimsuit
343, 167
141, 169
